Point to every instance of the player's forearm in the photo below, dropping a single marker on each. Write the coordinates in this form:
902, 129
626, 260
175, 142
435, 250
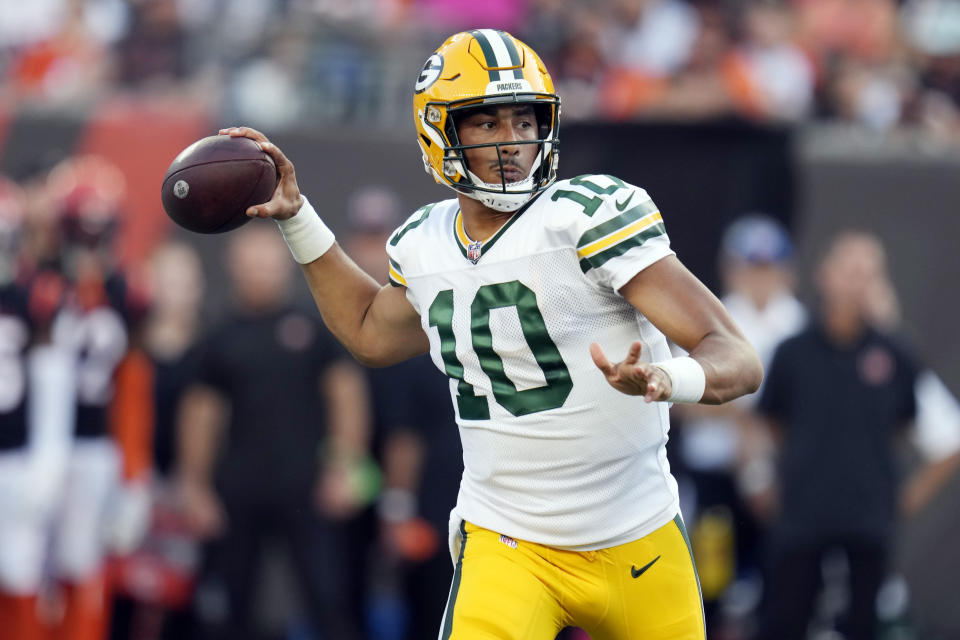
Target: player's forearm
731, 366
344, 294
359, 312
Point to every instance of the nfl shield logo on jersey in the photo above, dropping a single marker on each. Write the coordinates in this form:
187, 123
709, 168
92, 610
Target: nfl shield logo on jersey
473, 251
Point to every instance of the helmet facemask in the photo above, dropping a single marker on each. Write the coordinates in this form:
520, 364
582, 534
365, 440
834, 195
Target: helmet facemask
485, 68
503, 195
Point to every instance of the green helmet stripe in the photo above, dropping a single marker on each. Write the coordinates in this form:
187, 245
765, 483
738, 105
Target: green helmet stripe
514, 55
488, 54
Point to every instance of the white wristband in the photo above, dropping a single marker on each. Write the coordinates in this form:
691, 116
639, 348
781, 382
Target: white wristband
686, 377
306, 234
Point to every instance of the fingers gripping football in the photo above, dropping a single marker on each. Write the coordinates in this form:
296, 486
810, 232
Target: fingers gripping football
632, 377
286, 200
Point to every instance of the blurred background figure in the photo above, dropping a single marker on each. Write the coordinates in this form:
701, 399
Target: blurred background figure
418, 447
838, 395
155, 583
270, 439
104, 504
724, 453
775, 65
36, 425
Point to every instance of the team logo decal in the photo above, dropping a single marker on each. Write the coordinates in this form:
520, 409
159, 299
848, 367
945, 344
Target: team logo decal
876, 366
431, 71
181, 189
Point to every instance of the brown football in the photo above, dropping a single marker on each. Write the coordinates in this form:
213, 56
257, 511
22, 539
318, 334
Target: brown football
210, 185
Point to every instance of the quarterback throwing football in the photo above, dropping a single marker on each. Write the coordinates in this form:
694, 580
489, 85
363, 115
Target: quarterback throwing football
567, 513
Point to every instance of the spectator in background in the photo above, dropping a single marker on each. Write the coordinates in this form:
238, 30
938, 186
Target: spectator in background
172, 335
269, 439
104, 502
659, 35
152, 55
419, 452
704, 80
937, 426
267, 89
656, 40
932, 31
155, 583
70, 64
722, 447
581, 65
837, 395
776, 66
36, 424
854, 45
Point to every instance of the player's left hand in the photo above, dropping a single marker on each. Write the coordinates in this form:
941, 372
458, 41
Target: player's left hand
632, 377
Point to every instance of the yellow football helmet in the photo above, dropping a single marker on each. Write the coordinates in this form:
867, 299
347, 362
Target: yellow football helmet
480, 68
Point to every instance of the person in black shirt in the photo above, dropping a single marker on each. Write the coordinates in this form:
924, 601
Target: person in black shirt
837, 394
152, 585
292, 399
419, 450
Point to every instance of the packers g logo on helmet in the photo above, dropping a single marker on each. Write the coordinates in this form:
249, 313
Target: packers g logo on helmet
431, 71
480, 68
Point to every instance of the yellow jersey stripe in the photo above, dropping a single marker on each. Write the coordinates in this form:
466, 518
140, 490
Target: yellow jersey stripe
461, 232
625, 232
396, 277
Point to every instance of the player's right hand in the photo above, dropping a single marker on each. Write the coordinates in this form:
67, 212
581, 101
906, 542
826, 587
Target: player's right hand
286, 200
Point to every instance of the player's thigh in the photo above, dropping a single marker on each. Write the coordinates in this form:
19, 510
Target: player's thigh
22, 529
499, 592
79, 537
22, 546
655, 594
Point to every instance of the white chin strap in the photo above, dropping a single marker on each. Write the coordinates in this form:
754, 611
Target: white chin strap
500, 201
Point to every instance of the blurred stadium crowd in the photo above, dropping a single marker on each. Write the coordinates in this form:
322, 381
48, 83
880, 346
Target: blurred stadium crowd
147, 486
281, 63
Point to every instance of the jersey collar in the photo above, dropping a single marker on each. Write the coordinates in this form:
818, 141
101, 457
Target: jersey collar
473, 250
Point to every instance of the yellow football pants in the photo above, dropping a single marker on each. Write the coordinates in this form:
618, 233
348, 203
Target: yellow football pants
506, 589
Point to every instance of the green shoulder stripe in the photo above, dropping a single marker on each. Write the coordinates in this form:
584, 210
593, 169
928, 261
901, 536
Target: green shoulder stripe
412, 225
617, 223
621, 248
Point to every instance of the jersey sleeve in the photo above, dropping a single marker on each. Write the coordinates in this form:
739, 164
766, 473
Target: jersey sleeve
620, 231
398, 244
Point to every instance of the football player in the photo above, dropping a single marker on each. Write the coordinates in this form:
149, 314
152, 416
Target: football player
567, 512
36, 402
104, 504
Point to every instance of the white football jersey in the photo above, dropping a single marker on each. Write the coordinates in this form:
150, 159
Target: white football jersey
552, 453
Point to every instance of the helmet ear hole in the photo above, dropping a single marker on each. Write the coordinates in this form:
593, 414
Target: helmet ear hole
544, 114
